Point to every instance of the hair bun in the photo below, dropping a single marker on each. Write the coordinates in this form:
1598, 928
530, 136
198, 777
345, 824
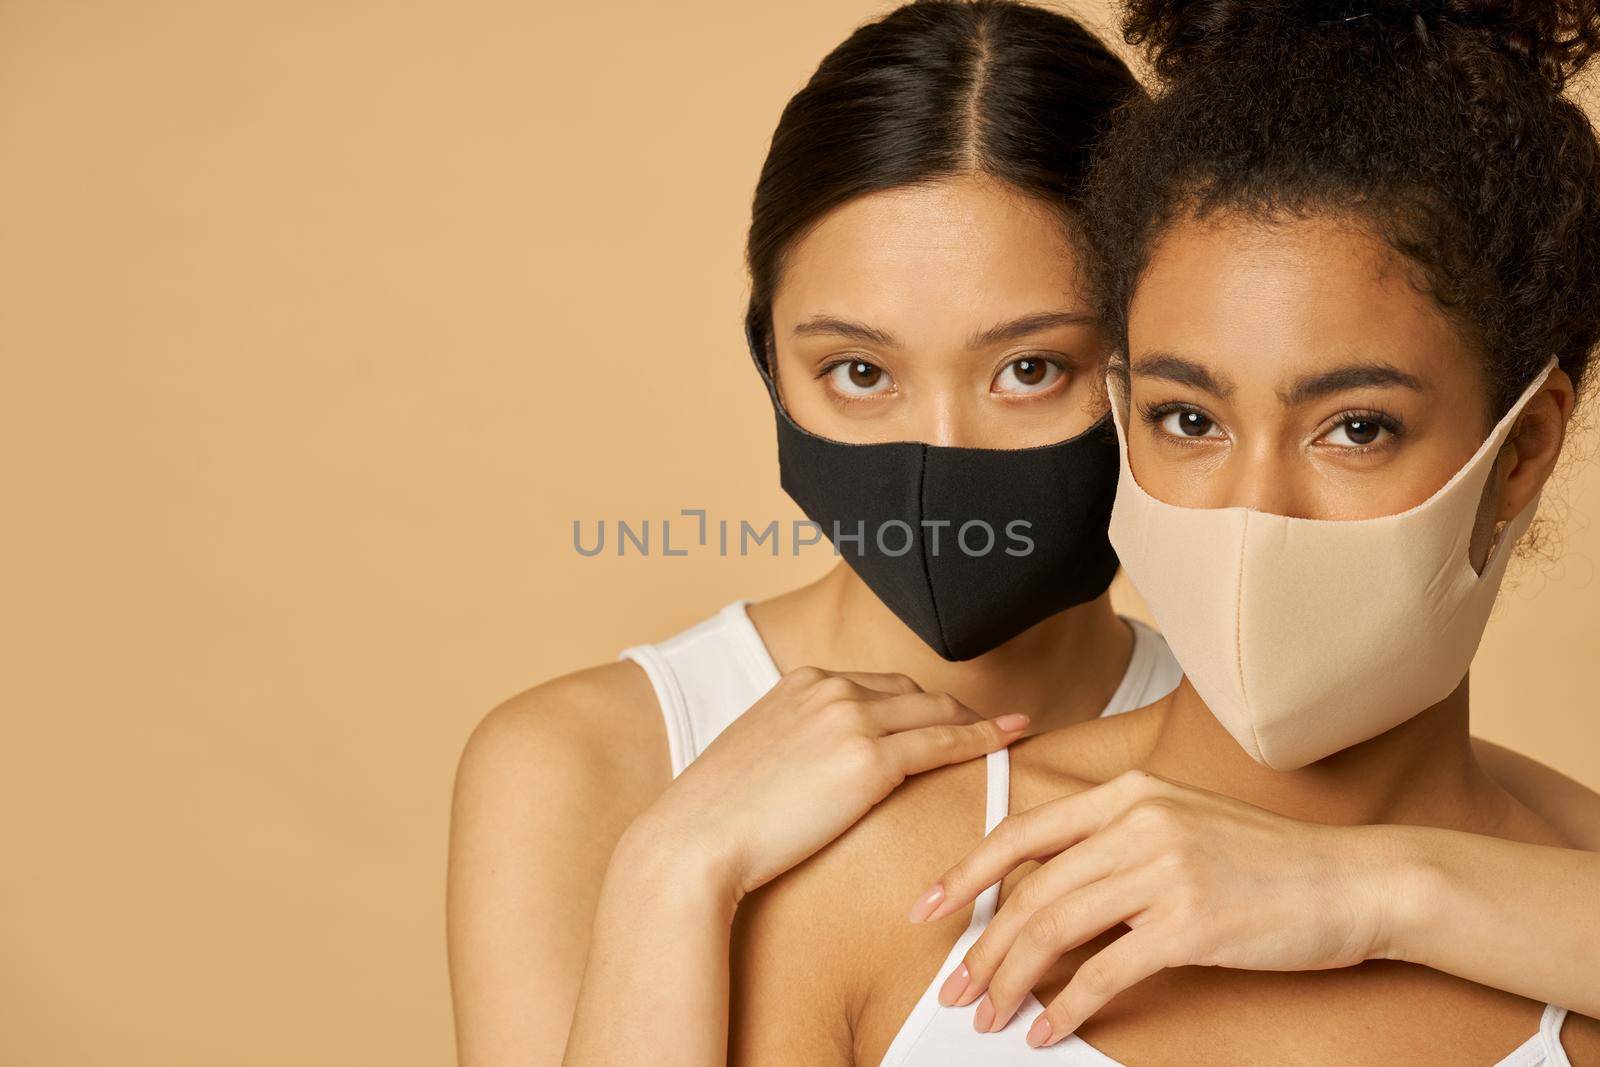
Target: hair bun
1551, 38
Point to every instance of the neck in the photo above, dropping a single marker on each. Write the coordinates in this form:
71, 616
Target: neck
1421, 772
1059, 672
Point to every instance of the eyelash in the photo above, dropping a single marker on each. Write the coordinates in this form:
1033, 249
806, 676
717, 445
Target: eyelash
1152, 414
1062, 366
1388, 423
843, 397
828, 368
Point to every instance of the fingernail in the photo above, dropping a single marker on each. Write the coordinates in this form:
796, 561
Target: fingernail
926, 903
953, 986
974, 991
985, 1016
1015, 721
1039, 1032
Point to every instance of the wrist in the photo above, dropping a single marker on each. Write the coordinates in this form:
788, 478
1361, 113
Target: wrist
663, 860
1406, 886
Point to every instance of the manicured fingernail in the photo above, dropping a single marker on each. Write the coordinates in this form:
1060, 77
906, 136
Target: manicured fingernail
984, 1016
926, 903
1039, 1032
953, 986
1014, 721
974, 991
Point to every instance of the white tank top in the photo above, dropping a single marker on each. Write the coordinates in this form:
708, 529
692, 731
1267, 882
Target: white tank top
936, 1036
708, 675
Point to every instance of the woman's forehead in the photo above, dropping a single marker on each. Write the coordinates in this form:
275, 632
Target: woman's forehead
974, 248
1283, 302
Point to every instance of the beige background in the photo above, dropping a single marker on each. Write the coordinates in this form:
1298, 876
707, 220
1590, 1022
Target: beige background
319, 325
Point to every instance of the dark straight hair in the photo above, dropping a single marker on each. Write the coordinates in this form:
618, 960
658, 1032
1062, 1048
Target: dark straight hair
934, 89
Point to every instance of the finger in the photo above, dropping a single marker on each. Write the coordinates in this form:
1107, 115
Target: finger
1039, 832
911, 711
856, 685
1124, 963
1055, 930
1083, 864
895, 684
922, 748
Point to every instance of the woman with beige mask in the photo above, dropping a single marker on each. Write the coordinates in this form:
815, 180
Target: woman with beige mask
926, 258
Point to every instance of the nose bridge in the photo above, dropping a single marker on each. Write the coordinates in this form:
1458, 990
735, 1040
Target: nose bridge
1261, 477
948, 417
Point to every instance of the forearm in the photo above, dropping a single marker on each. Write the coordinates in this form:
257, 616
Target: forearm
655, 988
1504, 914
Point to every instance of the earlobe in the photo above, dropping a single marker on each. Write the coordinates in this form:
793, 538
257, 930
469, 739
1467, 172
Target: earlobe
1535, 444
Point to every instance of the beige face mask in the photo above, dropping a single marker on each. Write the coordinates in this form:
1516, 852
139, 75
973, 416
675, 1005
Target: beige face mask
1307, 636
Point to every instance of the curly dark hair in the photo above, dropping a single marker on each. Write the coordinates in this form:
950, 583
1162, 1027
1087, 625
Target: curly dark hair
1440, 124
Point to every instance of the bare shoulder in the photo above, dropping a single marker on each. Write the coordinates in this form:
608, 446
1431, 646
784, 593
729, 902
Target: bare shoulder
1076, 757
1580, 1040
568, 764
813, 949
598, 718
869, 873
546, 784
1568, 805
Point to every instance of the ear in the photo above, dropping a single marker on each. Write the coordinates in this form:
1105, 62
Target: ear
1524, 464
1529, 455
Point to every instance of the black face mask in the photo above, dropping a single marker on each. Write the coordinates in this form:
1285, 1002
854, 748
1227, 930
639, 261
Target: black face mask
968, 546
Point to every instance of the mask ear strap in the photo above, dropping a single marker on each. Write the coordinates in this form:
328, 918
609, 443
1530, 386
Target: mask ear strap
1116, 397
1497, 538
1499, 542
758, 353
752, 340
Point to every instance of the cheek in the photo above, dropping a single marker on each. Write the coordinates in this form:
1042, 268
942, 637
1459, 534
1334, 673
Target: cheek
1365, 497
802, 398
805, 398
1419, 472
1086, 395
1181, 479
1047, 421
815, 409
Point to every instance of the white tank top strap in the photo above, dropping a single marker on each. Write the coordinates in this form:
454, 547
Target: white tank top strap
705, 677
1543, 1049
1550, 1035
997, 802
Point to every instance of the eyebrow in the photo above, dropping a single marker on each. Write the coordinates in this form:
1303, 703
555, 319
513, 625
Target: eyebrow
856, 331
1169, 367
1030, 324
1011, 330
1353, 376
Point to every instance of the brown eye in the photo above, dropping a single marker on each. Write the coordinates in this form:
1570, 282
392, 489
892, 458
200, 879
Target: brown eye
1185, 422
864, 375
1030, 371
1358, 431
1361, 432
1028, 375
858, 378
